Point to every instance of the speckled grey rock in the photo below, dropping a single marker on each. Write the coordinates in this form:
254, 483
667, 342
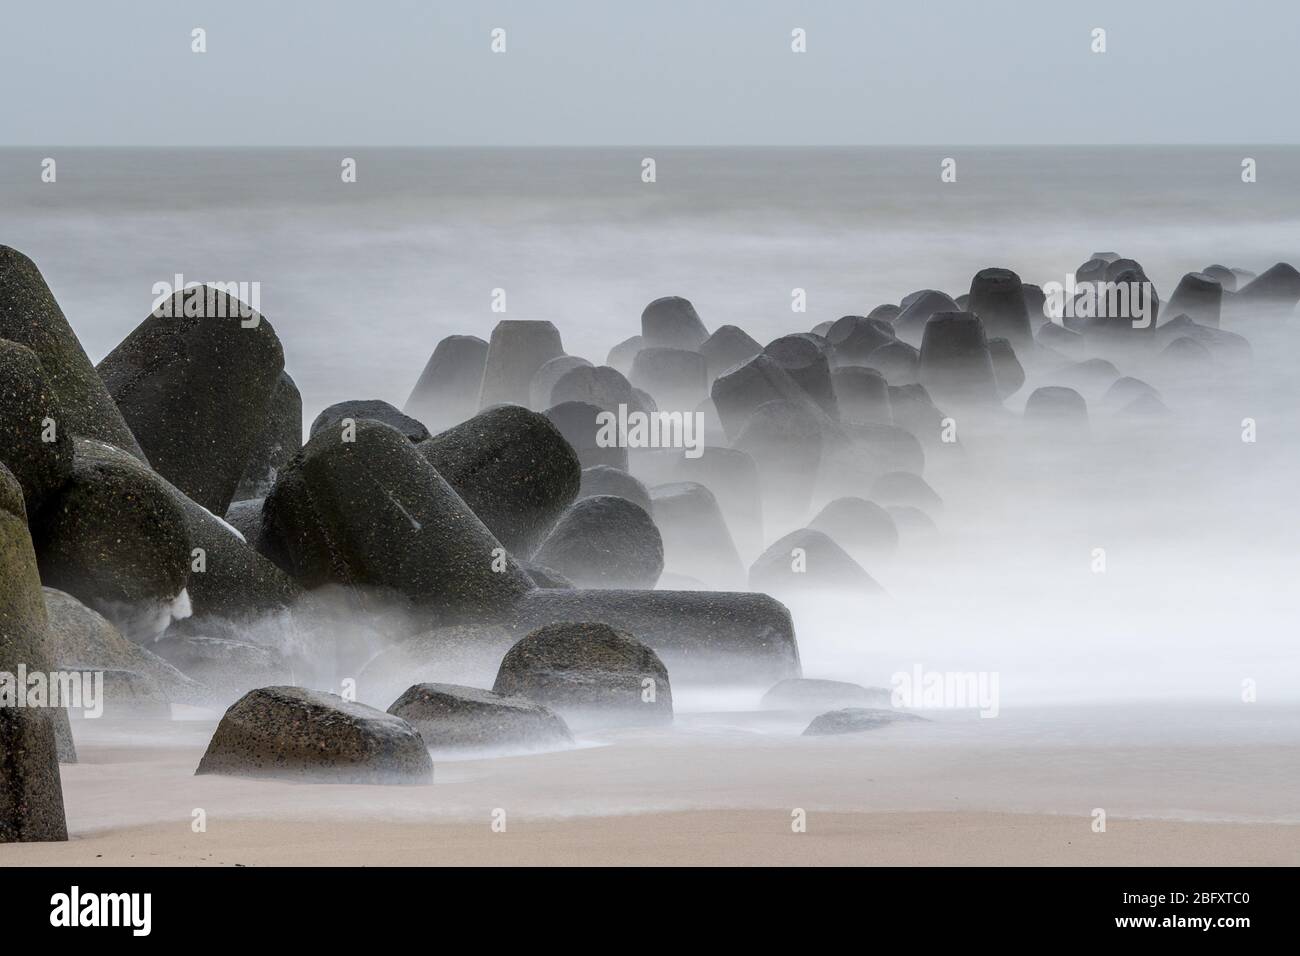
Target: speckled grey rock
727, 347
455, 717
605, 542
597, 385
447, 391
515, 470
298, 734
590, 672
855, 720
375, 513
370, 410
28, 416
30, 316
672, 323
246, 518
114, 538
519, 347
31, 796
605, 480
579, 424
743, 390
701, 636
194, 381
279, 442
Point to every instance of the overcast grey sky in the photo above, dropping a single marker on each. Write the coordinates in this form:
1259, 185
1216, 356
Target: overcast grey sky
707, 72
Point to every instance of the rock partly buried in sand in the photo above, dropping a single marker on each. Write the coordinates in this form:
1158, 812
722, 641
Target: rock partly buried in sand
370, 410
513, 468
702, 636
605, 480
455, 717
194, 382
672, 323
79, 635
298, 734
589, 671
855, 720
809, 561
806, 693
373, 512
33, 443
31, 797
115, 539
227, 577
30, 316
519, 347
447, 391
605, 542
279, 442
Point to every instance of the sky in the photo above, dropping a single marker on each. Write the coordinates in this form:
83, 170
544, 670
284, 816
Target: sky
667, 72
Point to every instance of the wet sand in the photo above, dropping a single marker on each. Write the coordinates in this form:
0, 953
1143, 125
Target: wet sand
1180, 786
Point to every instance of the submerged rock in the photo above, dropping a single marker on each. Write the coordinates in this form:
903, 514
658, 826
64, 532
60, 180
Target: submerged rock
455, 717
589, 671
1276, 288
862, 527
1199, 297
678, 379
808, 560
194, 381
298, 734
905, 488
513, 467
1055, 407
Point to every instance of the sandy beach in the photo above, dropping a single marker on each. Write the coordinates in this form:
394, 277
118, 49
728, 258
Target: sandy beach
721, 789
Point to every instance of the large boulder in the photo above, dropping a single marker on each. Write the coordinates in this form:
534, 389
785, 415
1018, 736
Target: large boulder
280, 440
604, 542
298, 734
544, 379
117, 540
590, 672
454, 717
519, 347
1199, 297
807, 361
34, 443
1277, 288
862, 395
746, 388
514, 469
369, 410
809, 561
998, 298
702, 636
31, 795
30, 316
696, 540
917, 309
597, 385
677, 378
228, 578
582, 426
622, 354
727, 347
672, 323
77, 635
606, 480
956, 365
373, 512
733, 478
446, 392
194, 382
787, 441
864, 528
